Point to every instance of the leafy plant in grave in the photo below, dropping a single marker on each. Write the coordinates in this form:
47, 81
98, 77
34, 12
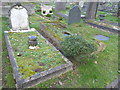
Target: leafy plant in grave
60, 18
77, 47
48, 15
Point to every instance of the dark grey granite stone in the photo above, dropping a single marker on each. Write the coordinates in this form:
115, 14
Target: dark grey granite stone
74, 15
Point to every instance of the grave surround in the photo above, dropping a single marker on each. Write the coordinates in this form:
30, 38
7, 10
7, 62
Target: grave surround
39, 77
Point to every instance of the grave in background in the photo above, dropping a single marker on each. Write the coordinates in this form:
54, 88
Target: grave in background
60, 6
74, 15
46, 10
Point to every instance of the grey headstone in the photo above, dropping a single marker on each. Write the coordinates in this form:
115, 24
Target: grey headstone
60, 6
5, 10
30, 8
74, 15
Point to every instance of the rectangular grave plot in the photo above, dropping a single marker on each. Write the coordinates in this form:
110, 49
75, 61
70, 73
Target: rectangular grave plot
25, 79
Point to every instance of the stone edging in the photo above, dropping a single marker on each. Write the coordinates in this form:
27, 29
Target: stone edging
39, 77
115, 84
62, 15
104, 28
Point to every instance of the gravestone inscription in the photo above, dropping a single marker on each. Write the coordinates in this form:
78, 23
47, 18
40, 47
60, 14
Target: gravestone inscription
74, 15
19, 17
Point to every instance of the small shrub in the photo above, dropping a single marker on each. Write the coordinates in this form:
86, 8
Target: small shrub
60, 18
76, 46
48, 15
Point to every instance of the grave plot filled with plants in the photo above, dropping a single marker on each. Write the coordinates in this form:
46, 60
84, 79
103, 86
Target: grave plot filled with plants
30, 61
94, 71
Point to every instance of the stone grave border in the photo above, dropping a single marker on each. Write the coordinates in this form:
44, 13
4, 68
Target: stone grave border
66, 16
93, 24
114, 84
39, 77
104, 28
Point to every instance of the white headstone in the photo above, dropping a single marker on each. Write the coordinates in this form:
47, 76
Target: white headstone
81, 3
46, 10
19, 18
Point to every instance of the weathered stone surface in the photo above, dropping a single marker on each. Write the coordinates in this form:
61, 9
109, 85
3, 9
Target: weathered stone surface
19, 18
62, 15
45, 9
60, 6
5, 10
74, 15
30, 9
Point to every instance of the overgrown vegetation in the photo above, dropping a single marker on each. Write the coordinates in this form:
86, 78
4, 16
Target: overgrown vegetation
76, 46
7, 71
29, 61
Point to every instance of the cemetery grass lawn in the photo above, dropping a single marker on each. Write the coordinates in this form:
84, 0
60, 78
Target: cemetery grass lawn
87, 73
108, 17
7, 71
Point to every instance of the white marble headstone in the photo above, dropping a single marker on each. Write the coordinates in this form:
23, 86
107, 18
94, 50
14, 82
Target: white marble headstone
19, 18
46, 10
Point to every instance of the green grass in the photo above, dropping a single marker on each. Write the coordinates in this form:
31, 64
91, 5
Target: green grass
7, 80
103, 24
30, 60
87, 73
108, 17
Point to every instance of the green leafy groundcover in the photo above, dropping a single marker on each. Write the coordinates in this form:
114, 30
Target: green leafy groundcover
29, 61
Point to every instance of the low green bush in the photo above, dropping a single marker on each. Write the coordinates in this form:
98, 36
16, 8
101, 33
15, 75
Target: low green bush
48, 15
60, 18
76, 46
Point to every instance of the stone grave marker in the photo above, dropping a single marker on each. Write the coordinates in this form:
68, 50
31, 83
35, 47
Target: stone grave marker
46, 10
19, 17
60, 6
74, 15
102, 37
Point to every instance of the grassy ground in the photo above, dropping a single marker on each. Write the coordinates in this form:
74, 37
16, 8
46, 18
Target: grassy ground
109, 17
7, 72
0, 53
88, 73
